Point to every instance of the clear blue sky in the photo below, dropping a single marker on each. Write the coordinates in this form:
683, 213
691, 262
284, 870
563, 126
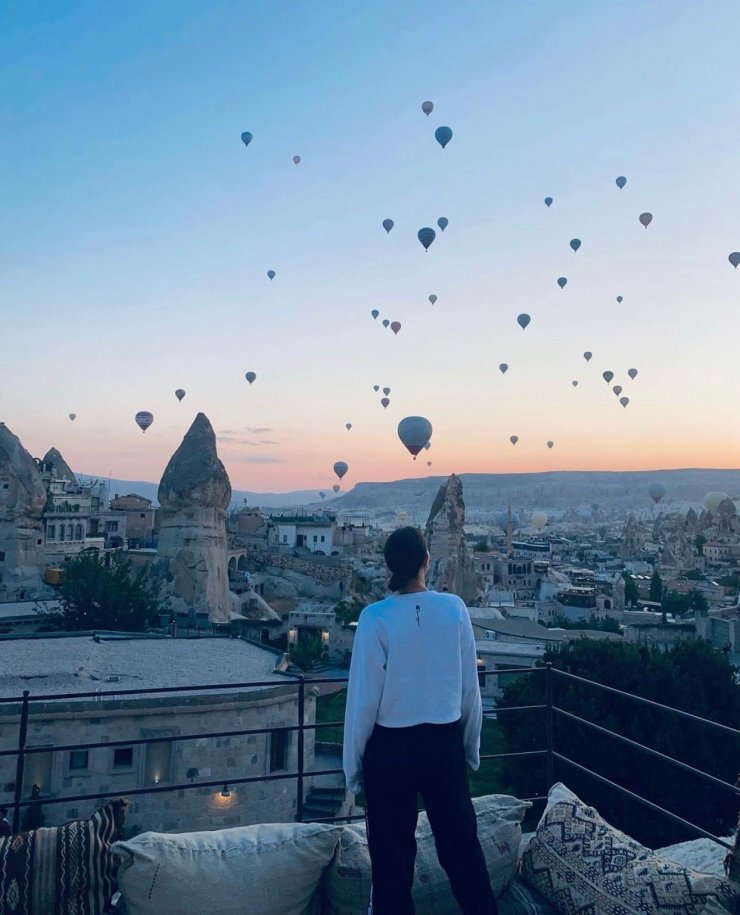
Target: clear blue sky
137, 231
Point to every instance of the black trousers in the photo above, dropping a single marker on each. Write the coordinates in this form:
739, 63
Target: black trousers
428, 759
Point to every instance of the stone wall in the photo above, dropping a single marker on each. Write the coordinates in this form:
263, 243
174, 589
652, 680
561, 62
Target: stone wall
221, 758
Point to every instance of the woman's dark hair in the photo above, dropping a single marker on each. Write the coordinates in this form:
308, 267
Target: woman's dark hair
405, 552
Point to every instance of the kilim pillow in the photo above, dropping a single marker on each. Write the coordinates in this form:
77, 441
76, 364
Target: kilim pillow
581, 864
61, 869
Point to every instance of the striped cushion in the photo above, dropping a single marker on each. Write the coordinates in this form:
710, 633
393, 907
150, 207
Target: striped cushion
61, 869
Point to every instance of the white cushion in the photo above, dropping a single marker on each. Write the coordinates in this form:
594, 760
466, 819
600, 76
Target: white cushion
348, 878
271, 869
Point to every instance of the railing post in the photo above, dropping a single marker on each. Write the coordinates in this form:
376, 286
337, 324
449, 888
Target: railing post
20, 763
301, 736
549, 725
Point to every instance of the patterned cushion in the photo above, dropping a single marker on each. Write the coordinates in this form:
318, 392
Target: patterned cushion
61, 869
583, 866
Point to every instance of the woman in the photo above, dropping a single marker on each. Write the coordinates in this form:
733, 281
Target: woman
412, 723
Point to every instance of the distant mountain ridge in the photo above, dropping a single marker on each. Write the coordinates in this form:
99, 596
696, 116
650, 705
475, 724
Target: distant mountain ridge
259, 499
489, 492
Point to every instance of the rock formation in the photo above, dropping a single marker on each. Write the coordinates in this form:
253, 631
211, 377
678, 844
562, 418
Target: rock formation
54, 464
451, 566
193, 495
22, 501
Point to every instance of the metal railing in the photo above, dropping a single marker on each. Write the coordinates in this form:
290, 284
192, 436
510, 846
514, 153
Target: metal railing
551, 709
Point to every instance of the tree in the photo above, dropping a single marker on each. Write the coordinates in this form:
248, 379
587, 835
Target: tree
691, 677
656, 587
481, 546
307, 653
631, 594
96, 596
348, 611
694, 575
699, 543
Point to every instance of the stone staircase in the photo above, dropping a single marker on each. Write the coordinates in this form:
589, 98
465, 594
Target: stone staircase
323, 802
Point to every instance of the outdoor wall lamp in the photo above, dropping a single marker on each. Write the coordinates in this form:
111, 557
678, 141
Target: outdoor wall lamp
226, 793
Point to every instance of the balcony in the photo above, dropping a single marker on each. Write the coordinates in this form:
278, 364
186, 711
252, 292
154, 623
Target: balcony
550, 759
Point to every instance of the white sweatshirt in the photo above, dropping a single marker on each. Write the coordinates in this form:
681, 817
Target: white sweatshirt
413, 662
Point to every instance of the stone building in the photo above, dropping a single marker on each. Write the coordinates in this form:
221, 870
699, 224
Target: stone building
86, 663
192, 551
140, 518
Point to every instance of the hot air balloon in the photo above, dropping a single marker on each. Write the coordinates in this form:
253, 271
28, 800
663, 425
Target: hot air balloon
323, 495
503, 368
443, 222
632, 373
414, 432
179, 394
734, 258
429, 463
513, 439
386, 391
713, 499
656, 491
562, 282
395, 326
426, 236
384, 402
548, 201
620, 299
607, 376
427, 108
620, 182
646, 219
588, 356
341, 468
624, 401
550, 444
427, 446
575, 243
539, 520
144, 419
296, 160
271, 274
348, 426
386, 322
376, 388
443, 135
73, 417
251, 377
574, 383
246, 138
388, 225
617, 389
432, 298
402, 516
523, 321
336, 487
375, 313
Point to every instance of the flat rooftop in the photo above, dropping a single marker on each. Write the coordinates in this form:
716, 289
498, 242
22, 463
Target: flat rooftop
27, 608
85, 663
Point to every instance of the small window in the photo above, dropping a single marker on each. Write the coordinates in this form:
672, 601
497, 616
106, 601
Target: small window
51, 532
315, 538
123, 757
2, 556
78, 760
285, 538
323, 538
142, 515
278, 750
